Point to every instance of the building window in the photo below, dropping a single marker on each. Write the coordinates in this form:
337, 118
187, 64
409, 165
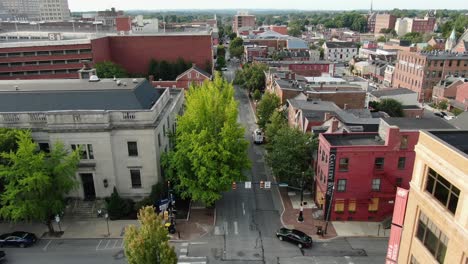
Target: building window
159, 139
164, 130
401, 163
352, 206
374, 205
136, 178
376, 185
442, 190
44, 147
399, 182
132, 148
86, 150
432, 238
341, 185
379, 163
344, 162
339, 205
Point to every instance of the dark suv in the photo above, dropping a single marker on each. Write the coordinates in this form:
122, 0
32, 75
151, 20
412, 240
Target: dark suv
294, 236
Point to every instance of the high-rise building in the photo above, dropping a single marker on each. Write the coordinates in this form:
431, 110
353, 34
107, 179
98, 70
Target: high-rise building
34, 10
243, 21
383, 21
435, 228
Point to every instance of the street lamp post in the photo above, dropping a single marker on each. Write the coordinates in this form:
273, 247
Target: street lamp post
107, 221
301, 213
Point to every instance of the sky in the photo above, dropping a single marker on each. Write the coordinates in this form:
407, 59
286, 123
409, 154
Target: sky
88, 5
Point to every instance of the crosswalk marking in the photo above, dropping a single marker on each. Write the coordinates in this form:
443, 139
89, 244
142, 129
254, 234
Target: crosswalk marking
226, 231
108, 244
236, 231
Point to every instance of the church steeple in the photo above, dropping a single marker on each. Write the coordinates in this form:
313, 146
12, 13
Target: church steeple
371, 6
451, 41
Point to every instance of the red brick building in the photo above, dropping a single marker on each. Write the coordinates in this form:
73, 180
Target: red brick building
421, 71
305, 68
357, 173
193, 75
279, 29
251, 52
243, 20
61, 59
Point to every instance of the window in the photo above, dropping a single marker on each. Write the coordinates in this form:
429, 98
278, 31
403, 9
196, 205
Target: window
374, 205
352, 206
442, 190
379, 163
376, 185
341, 185
132, 148
432, 238
44, 147
344, 162
401, 163
339, 205
136, 178
399, 182
164, 130
86, 150
159, 139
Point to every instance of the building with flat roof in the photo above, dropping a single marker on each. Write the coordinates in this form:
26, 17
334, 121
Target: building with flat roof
357, 173
121, 125
34, 10
435, 228
421, 71
243, 21
339, 51
62, 58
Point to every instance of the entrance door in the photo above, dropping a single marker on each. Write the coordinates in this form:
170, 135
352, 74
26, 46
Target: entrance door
88, 186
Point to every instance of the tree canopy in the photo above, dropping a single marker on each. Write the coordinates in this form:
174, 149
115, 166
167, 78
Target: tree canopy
108, 69
167, 71
252, 76
36, 182
414, 37
269, 103
236, 48
390, 106
210, 151
149, 243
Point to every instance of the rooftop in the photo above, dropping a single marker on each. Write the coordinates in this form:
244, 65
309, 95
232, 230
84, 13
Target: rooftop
350, 139
335, 45
455, 138
390, 92
59, 95
405, 123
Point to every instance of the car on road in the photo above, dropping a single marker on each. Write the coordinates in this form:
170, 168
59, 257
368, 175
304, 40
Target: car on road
257, 136
439, 114
18, 239
294, 236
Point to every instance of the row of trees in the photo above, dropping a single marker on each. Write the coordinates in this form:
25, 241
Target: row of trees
236, 47
252, 76
164, 70
210, 151
109, 69
220, 57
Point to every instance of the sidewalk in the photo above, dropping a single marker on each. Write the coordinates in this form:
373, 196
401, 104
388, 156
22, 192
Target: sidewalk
199, 223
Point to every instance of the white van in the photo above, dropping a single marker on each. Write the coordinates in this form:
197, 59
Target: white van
257, 136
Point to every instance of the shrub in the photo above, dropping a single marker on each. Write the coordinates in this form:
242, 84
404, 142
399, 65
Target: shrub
117, 207
145, 202
158, 191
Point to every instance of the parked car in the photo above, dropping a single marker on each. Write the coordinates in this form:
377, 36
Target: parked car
257, 136
224, 69
2, 256
294, 236
18, 239
448, 117
439, 114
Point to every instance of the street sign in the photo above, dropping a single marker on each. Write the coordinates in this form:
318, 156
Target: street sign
267, 184
163, 201
282, 184
248, 185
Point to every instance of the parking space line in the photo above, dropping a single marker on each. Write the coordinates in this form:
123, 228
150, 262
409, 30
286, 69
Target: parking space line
47, 246
122, 244
236, 231
115, 244
107, 244
97, 247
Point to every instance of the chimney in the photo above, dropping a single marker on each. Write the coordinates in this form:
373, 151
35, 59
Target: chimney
345, 107
334, 125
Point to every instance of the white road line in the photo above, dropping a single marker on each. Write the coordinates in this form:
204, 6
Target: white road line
348, 258
226, 231
243, 209
183, 251
236, 231
107, 244
185, 257
47, 246
198, 243
122, 244
217, 231
185, 244
201, 262
97, 247
115, 244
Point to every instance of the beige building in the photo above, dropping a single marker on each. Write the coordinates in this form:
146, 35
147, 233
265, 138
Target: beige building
34, 10
436, 222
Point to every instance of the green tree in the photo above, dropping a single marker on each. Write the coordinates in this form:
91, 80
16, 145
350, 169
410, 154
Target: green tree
252, 76
382, 39
154, 69
257, 95
148, 243
269, 103
36, 182
414, 37
236, 48
108, 69
443, 105
8, 141
221, 51
390, 106
220, 62
276, 122
166, 70
210, 151
290, 153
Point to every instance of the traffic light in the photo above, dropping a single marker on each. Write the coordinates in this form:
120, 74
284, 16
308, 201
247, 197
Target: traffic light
262, 184
234, 185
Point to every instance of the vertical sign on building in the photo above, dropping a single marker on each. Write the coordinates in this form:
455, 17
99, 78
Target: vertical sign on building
330, 182
397, 225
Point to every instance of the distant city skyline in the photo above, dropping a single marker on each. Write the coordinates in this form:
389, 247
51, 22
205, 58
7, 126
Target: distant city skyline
80, 5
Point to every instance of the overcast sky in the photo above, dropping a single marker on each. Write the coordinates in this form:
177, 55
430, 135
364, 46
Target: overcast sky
86, 5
